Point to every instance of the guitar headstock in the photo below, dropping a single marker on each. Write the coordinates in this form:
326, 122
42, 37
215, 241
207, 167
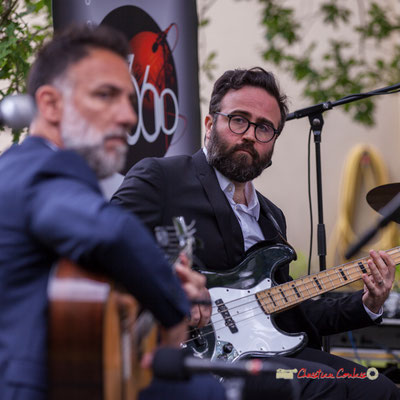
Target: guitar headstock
176, 239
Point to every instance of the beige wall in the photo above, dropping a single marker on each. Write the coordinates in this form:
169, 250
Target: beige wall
5, 140
235, 34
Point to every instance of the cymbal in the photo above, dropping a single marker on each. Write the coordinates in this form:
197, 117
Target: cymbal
382, 195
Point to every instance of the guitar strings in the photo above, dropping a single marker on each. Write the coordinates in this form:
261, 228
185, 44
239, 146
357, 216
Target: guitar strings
266, 303
168, 239
351, 269
214, 331
237, 322
332, 274
299, 286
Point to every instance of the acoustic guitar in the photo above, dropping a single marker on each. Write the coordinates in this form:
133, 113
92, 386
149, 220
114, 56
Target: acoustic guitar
98, 332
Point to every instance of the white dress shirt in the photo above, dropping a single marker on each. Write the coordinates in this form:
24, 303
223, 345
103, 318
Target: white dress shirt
247, 215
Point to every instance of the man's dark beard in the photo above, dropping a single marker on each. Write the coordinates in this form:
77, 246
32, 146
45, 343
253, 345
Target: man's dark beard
235, 166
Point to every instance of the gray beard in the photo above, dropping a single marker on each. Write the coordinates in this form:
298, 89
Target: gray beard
235, 166
80, 136
102, 163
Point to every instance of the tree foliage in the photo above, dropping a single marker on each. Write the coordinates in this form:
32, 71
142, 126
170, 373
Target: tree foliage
360, 54
19, 40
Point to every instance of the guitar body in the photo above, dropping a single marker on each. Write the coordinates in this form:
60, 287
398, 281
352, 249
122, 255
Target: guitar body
245, 298
240, 328
92, 354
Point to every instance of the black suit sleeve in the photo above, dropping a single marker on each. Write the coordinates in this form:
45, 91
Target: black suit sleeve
144, 181
75, 221
336, 315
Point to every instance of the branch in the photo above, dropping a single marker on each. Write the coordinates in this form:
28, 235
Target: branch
9, 7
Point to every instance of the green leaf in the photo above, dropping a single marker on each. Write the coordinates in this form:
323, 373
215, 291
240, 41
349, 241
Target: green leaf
333, 14
204, 22
18, 42
347, 67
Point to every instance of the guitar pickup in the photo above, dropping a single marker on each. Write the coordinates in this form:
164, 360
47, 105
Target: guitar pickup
223, 310
197, 337
226, 314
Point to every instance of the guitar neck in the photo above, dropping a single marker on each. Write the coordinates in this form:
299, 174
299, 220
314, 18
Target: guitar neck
287, 295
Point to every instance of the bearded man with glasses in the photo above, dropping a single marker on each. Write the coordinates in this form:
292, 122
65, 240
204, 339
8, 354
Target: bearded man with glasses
214, 187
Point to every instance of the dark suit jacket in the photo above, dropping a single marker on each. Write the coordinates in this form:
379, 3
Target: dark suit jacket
157, 189
51, 207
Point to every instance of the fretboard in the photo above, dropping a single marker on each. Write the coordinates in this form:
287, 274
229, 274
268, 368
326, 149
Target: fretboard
281, 297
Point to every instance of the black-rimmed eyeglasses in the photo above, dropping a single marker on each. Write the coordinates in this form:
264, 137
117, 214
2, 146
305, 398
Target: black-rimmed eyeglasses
264, 133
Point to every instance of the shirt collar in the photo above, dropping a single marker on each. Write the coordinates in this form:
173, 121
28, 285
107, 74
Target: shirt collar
45, 141
253, 205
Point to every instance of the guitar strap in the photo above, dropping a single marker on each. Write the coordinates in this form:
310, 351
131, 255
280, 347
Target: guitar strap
265, 209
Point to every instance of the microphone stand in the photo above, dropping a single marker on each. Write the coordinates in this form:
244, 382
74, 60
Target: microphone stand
317, 122
314, 114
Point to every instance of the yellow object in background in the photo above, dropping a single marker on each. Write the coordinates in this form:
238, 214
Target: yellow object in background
364, 170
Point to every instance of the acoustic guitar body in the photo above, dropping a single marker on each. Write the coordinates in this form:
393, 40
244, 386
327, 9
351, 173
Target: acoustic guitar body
92, 351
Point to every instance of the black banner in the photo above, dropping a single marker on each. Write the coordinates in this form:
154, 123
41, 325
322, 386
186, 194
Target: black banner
163, 63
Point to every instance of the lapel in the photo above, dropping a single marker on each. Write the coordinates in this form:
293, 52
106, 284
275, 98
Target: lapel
227, 222
273, 234
268, 224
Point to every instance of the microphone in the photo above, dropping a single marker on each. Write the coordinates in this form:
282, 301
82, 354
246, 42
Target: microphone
160, 38
305, 112
251, 379
176, 364
17, 111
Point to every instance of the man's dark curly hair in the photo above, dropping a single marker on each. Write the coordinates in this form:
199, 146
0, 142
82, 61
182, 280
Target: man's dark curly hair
238, 78
70, 46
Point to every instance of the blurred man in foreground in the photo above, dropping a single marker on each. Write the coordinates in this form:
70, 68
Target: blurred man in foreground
51, 206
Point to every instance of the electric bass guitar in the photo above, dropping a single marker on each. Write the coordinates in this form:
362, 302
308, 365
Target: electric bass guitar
246, 298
